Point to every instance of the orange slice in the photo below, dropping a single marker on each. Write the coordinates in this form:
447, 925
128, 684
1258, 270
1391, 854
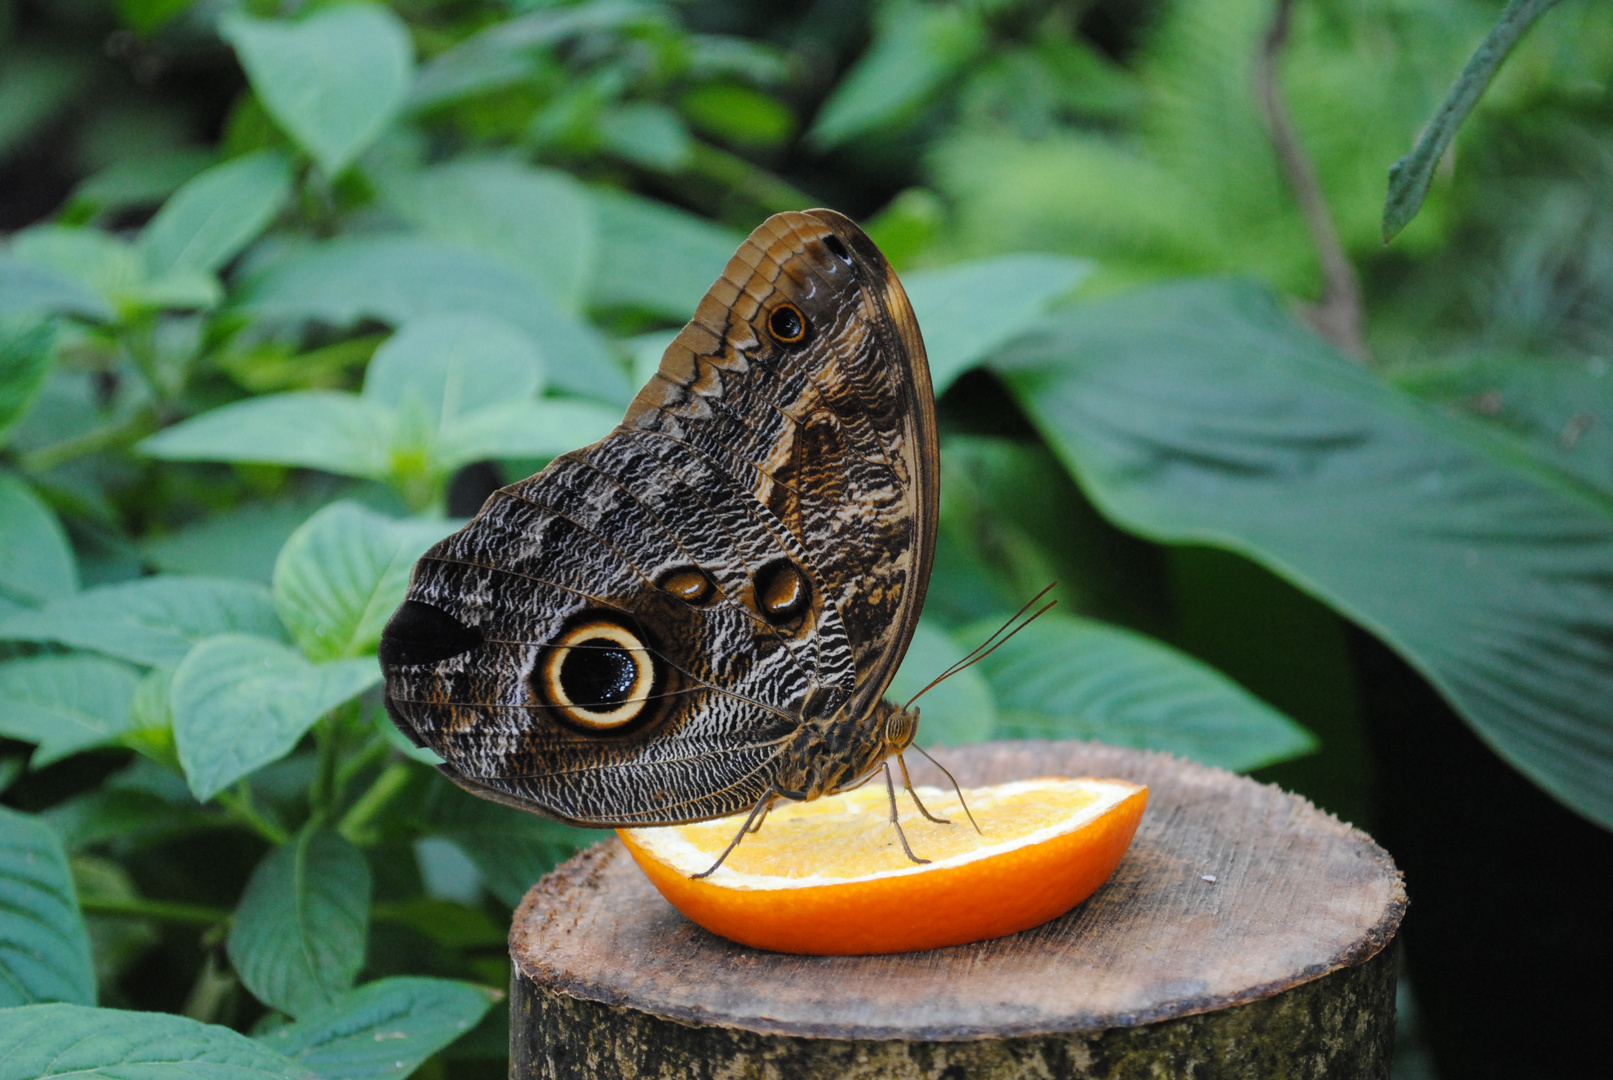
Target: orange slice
829, 876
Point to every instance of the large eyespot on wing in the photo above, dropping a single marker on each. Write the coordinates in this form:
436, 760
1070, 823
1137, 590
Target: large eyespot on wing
600, 676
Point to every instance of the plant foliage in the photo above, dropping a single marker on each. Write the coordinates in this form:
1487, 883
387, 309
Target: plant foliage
248, 376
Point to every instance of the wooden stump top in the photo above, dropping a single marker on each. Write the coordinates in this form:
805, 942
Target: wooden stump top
1296, 894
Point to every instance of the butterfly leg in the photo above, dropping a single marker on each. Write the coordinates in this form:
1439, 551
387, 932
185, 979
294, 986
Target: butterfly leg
907, 782
890, 787
950, 777
758, 812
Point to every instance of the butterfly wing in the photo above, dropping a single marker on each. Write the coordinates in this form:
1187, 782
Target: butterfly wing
633, 635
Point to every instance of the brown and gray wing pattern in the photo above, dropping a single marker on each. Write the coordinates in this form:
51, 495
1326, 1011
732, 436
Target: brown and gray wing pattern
751, 545
836, 437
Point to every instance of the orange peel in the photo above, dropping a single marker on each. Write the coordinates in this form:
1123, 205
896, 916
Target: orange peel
828, 877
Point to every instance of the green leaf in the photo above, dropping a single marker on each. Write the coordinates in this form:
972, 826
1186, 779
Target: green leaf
341, 575
64, 703
297, 940
969, 310
240, 543
505, 52
41, 1042
329, 430
103, 265
687, 253
44, 949
400, 278
1063, 678
1558, 410
1201, 413
383, 1029
740, 115
510, 847
647, 134
140, 181
215, 215
241, 702
35, 85
29, 289
538, 221
958, 711
453, 365
105, 814
917, 49
531, 429
36, 561
147, 15
333, 80
25, 355
149, 621
1410, 176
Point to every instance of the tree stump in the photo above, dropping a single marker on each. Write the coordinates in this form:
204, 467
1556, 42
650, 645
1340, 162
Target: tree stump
1245, 934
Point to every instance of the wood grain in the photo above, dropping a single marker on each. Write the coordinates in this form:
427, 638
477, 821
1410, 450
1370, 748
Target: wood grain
1296, 895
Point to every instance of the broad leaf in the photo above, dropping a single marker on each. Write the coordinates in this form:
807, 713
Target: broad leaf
151, 620
1202, 413
969, 310
240, 543
452, 366
328, 430
654, 257
44, 950
105, 266
25, 355
241, 702
383, 1029
65, 703
28, 289
534, 429
42, 1042
399, 278
297, 940
1068, 678
959, 710
333, 80
215, 215
538, 221
341, 575
510, 847
917, 49
36, 561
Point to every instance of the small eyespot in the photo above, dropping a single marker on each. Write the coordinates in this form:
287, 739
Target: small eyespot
782, 593
597, 676
787, 325
689, 584
837, 248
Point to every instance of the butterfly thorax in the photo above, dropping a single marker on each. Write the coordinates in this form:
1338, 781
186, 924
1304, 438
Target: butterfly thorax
838, 751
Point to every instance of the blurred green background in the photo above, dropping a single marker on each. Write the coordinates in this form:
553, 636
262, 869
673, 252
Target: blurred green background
287, 290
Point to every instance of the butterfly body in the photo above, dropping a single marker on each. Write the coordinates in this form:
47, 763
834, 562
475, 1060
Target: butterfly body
700, 612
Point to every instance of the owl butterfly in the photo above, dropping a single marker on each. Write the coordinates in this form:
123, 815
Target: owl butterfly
698, 615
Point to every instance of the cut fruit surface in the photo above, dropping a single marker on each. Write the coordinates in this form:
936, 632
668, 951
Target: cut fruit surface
829, 876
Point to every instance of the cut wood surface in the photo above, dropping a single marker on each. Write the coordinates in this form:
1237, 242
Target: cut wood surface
1233, 892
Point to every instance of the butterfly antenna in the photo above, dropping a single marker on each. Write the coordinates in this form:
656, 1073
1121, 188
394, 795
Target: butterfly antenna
990, 645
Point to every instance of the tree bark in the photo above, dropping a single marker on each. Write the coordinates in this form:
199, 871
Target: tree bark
1245, 934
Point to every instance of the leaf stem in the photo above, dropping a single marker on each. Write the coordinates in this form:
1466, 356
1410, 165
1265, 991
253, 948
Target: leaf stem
239, 804
1339, 316
1410, 176
161, 910
356, 824
110, 436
